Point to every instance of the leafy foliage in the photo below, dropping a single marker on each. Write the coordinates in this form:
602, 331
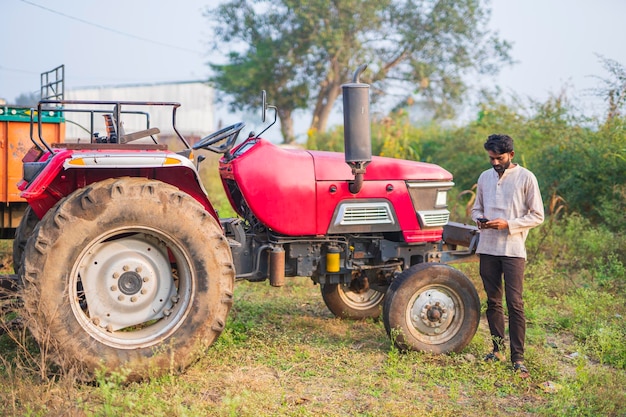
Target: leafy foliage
270, 63
613, 88
579, 161
304, 52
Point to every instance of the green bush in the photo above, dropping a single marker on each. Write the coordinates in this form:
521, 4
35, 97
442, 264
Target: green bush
591, 255
329, 141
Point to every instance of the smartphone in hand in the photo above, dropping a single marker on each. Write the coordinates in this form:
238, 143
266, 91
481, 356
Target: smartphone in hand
482, 220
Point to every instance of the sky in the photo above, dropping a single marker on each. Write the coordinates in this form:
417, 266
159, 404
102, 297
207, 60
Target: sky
118, 42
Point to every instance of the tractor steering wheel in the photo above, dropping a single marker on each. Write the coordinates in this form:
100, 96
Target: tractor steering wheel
230, 133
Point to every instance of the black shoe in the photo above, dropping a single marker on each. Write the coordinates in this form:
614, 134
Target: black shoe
495, 357
523, 371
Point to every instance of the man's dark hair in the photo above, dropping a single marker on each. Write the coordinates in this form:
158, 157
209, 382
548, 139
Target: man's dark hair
499, 144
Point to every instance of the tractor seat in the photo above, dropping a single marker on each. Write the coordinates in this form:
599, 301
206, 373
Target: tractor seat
121, 136
129, 137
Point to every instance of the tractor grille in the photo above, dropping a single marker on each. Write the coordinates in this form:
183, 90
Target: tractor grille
370, 213
434, 217
366, 216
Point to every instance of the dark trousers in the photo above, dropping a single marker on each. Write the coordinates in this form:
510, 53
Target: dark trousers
492, 271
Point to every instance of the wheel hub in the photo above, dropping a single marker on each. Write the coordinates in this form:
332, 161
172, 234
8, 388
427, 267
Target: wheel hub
435, 314
130, 283
361, 300
432, 312
127, 282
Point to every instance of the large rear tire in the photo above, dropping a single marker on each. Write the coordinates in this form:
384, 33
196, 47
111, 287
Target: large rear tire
128, 275
431, 307
345, 303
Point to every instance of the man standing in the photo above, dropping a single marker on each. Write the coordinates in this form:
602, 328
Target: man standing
508, 204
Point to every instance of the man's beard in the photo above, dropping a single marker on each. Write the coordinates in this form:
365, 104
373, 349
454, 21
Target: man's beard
502, 167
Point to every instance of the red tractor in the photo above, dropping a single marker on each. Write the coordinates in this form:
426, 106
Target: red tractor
124, 263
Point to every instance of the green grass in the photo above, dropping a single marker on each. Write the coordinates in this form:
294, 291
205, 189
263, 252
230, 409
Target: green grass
284, 354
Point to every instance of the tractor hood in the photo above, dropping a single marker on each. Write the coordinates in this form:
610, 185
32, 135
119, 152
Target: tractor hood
331, 166
298, 192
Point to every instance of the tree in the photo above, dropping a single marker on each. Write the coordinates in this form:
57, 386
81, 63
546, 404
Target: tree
269, 62
303, 53
27, 100
612, 89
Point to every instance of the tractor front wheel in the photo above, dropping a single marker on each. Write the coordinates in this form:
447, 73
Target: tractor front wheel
346, 303
129, 275
431, 307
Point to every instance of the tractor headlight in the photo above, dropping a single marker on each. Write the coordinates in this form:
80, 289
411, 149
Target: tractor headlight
442, 198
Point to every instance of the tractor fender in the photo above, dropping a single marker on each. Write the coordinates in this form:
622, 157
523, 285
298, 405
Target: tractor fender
68, 170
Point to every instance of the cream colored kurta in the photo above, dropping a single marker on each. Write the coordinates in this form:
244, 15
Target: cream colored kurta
514, 197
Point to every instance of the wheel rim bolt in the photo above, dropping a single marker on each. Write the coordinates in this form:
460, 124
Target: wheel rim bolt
138, 269
120, 297
116, 275
146, 279
125, 267
114, 288
133, 298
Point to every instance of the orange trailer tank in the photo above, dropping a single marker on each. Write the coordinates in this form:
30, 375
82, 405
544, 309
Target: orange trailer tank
15, 141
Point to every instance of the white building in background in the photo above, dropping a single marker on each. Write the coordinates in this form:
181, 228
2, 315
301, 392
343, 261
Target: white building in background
195, 118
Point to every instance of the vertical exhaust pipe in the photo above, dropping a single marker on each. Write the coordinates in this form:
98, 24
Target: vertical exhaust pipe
356, 121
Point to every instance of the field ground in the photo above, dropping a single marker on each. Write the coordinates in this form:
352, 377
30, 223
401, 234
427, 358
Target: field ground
284, 354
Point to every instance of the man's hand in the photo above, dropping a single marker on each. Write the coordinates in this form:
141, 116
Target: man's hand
498, 224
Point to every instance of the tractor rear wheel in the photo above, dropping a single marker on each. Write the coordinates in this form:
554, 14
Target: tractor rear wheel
431, 307
128, 275
346, 303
